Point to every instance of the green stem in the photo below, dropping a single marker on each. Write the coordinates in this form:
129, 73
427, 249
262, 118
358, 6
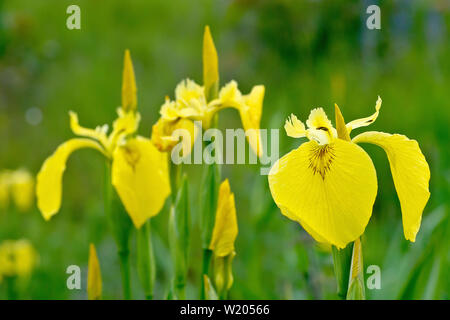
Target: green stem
120, 225
125, 269
342, 261
145, 259
181, 291
11, 291
207, 254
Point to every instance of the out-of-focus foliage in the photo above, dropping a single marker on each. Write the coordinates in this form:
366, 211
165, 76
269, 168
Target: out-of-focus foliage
306, 53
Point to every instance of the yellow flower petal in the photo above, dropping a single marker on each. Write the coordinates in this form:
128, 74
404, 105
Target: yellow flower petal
210, 63
94, 282
320, 128
364, 122
165, 136
318, 119
129, 98
225, 227
49, 178
98, 133
141, 177
250, 112
230, 96
410, 172
329, 189
294, 127
189, 94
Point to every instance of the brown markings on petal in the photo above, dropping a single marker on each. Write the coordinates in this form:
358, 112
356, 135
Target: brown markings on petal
321, 158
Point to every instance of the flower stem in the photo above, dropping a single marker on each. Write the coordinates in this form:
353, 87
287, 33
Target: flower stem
145, 259
120, 225
124, 257
342, 262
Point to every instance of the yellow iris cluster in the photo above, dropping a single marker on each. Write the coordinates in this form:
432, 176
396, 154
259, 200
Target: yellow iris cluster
190, 105
17, 258
327, 184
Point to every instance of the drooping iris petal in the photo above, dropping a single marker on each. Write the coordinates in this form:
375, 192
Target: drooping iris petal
328, 189
250, 112
94, 283
49, 178
364, 122
225, 226
410, 172
140, 176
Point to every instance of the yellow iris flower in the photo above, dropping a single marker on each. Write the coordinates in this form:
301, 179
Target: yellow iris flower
139, 171
329, 184
19, 186
191, 104
17, 258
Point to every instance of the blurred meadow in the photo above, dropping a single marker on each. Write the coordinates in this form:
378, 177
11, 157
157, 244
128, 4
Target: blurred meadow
306, 53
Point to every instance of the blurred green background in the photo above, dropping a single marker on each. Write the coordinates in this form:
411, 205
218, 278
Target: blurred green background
306, 53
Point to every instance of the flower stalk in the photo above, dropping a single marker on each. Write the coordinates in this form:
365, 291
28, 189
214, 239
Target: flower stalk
179, 232
342, 262
145, 259
121, 227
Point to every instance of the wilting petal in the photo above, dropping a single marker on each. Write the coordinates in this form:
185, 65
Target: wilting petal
250, 112
94, 283
129, 98
49, 178
364, 122
410, 172
141, 178
225, 227
329, 189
